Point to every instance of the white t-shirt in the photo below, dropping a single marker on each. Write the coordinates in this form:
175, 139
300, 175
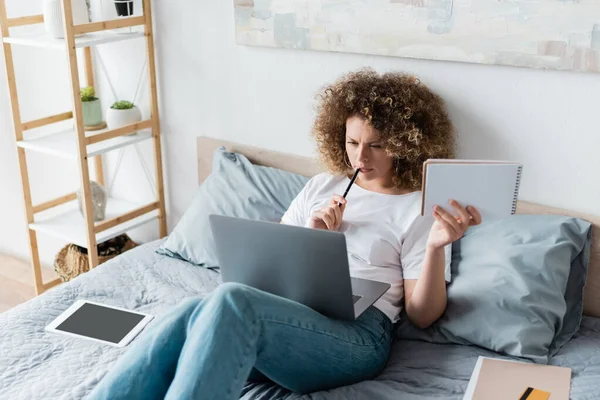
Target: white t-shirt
385, 234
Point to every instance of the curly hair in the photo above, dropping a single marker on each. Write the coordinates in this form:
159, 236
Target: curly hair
410, 118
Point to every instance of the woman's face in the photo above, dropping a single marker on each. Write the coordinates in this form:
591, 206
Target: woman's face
365, 151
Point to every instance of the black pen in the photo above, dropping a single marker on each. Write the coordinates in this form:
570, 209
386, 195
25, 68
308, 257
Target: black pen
350, 185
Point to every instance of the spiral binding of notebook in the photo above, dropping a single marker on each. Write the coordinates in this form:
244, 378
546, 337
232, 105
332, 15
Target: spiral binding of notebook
517, 186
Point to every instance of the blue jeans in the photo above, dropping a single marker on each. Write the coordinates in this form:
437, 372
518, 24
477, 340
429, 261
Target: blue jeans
208, 348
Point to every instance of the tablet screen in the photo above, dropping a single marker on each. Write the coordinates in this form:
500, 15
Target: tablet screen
100, 322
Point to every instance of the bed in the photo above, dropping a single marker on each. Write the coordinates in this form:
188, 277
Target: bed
38, 365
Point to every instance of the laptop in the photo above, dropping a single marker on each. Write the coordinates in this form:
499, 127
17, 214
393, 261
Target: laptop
309, 266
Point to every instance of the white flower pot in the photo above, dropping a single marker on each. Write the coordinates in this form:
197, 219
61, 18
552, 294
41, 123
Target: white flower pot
118, 118
53, 16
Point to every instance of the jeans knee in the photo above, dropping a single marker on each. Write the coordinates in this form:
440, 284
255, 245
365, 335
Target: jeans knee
188, 304
234, 295
231, 289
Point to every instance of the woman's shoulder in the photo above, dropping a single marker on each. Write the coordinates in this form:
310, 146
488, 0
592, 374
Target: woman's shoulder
325, 178
324, 182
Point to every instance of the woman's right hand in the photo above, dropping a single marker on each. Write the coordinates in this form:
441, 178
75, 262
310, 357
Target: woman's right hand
330, 217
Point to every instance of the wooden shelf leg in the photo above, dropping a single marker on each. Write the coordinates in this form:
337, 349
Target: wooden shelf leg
18, 127
89, 75
89, 68
81, 142
162, 220
99, 170
33, 245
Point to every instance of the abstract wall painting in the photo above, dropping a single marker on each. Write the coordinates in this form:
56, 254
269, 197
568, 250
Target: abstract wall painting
550, 34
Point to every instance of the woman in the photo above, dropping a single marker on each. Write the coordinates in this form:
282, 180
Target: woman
386, 126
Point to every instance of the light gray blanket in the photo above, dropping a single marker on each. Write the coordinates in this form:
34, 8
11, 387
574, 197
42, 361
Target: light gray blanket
39, 365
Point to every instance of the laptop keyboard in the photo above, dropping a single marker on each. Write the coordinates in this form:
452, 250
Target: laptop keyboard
355, 298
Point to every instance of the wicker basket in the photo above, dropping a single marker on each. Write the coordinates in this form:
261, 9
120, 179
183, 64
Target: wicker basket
72, 260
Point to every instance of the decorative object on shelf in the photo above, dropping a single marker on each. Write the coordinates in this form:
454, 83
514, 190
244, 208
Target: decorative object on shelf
72, 260
122, 113
99, 198
53, 16
92, 109
124, 7
88, 5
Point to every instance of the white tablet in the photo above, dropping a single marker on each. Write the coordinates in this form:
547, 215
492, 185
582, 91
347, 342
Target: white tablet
101, 323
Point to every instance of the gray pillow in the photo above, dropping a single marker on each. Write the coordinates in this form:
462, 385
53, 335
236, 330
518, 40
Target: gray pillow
517, 287
236, 188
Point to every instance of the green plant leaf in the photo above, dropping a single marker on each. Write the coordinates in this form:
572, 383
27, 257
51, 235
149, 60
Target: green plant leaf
122, 105
88, 94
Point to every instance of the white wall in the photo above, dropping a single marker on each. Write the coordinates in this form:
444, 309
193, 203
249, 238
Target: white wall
261, 96
210, 86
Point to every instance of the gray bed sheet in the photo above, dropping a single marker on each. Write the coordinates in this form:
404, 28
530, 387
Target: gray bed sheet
39, 365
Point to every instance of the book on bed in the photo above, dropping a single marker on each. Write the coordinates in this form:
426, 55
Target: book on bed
490, 186
495, 379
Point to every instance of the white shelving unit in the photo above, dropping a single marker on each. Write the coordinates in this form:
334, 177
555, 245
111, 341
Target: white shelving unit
64, 144
90, 39
68, 224
61, 217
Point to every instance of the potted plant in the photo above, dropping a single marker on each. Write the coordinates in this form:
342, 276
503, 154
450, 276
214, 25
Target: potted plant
122, 113
124, 7
92, 109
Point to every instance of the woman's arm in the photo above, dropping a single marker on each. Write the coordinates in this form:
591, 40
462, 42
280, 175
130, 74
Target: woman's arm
329, 217
425, 298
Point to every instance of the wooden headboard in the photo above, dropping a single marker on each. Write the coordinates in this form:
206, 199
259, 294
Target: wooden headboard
309, 167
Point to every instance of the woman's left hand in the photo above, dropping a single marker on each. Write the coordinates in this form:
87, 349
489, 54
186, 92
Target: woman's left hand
447, 228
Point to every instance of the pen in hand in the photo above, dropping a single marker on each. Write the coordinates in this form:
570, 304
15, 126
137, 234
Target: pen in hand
350, 185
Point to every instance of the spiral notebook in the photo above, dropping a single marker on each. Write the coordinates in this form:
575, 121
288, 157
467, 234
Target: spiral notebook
490, 186
496, 379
